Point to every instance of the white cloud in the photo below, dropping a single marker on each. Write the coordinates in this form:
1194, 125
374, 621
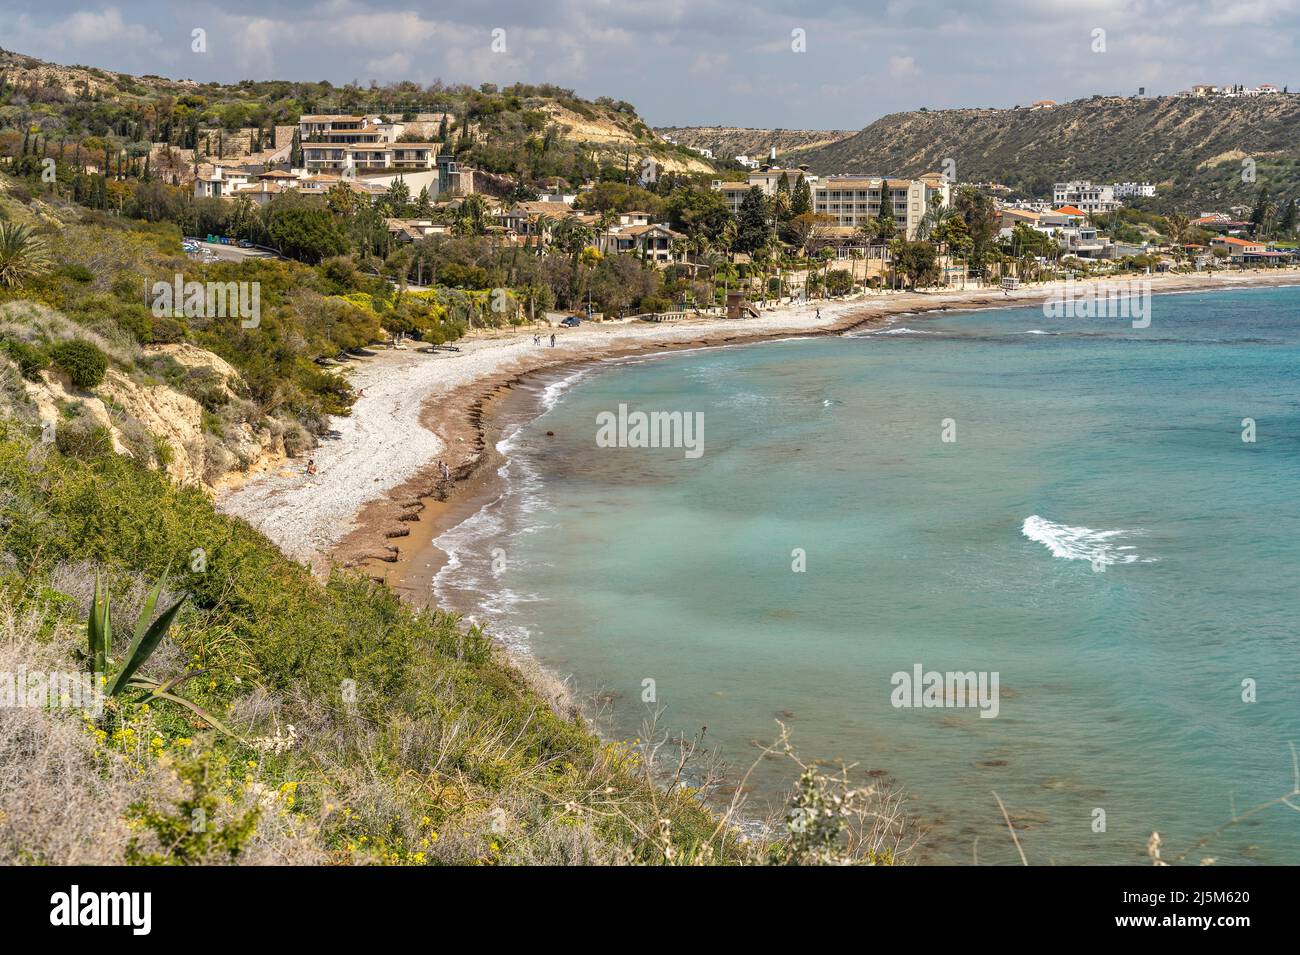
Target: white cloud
395, 66
902, 67
85, 29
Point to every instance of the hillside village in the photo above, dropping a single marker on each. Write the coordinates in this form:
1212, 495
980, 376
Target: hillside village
842, 213
424, 214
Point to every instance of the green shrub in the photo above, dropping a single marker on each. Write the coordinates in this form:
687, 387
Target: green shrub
31, 359
84, 363
78, 272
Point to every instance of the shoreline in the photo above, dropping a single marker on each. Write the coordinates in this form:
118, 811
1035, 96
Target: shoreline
396, 438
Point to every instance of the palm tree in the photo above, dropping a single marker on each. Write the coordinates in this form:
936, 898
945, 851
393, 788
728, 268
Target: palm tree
679, 248
1179, 225
727, 238
23, 255
780, 205
543, 227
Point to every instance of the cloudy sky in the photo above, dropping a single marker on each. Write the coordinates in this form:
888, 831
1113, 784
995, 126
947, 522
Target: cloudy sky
688, 62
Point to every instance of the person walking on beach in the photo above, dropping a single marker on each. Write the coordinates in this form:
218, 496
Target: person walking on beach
819, 312
552, 339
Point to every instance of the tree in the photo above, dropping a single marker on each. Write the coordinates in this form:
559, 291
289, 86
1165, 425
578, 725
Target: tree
423, 204
916, 261
23, 255
1178, 224
471, 218
886, 227
1286, 225
343, 201
980, 216
800, 229
801, 200
751, 226
698, 211
396, 202
305, 233
1261, 216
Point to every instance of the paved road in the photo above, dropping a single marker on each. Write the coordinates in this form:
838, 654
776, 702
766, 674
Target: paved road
233, 253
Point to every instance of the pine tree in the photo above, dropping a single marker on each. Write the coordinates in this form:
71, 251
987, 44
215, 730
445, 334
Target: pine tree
801, 204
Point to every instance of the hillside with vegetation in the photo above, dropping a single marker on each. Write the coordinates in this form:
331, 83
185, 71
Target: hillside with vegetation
533, 132
1191, 148
727, 142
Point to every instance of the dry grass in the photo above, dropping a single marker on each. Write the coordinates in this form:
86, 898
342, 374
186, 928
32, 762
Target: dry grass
65, 800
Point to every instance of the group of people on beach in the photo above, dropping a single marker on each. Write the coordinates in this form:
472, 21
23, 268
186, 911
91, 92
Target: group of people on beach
444, 470
537, 339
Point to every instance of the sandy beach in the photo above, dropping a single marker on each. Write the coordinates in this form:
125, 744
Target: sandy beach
378, 499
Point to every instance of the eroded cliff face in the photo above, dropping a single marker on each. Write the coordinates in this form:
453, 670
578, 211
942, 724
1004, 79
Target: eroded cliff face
142, 420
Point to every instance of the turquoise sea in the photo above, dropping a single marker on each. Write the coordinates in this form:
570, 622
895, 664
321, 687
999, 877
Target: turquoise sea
1098, 534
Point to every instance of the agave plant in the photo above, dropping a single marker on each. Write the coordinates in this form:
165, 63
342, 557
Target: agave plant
23, 255
147, 636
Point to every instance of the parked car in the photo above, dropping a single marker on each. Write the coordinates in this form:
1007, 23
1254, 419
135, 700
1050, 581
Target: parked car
573, 321
245, 244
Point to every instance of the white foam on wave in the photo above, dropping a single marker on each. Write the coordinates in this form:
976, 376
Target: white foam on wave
1082, 543
556, 389
905, 331
471, 576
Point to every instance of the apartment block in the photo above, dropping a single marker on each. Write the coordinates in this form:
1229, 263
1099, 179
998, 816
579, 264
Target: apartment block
1081, 194
1130, 190
852, 200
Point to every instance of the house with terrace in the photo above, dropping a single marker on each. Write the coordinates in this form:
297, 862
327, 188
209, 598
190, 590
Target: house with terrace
1240, 250
652, 241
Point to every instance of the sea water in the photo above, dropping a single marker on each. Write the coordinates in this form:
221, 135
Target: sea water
1102, 519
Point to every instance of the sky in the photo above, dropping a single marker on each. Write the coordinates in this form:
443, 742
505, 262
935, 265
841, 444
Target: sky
823, 64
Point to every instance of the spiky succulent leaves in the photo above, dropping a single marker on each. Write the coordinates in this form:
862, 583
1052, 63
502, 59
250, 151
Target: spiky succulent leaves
99, 630
147, 637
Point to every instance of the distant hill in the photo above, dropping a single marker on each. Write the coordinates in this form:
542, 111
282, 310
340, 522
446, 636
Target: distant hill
1191, 148
727, 142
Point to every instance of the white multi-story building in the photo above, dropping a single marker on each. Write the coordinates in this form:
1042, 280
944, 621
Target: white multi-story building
337, 128
1130, 190
849, 200
852, 200
359, 157
220, 181
1081, 194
